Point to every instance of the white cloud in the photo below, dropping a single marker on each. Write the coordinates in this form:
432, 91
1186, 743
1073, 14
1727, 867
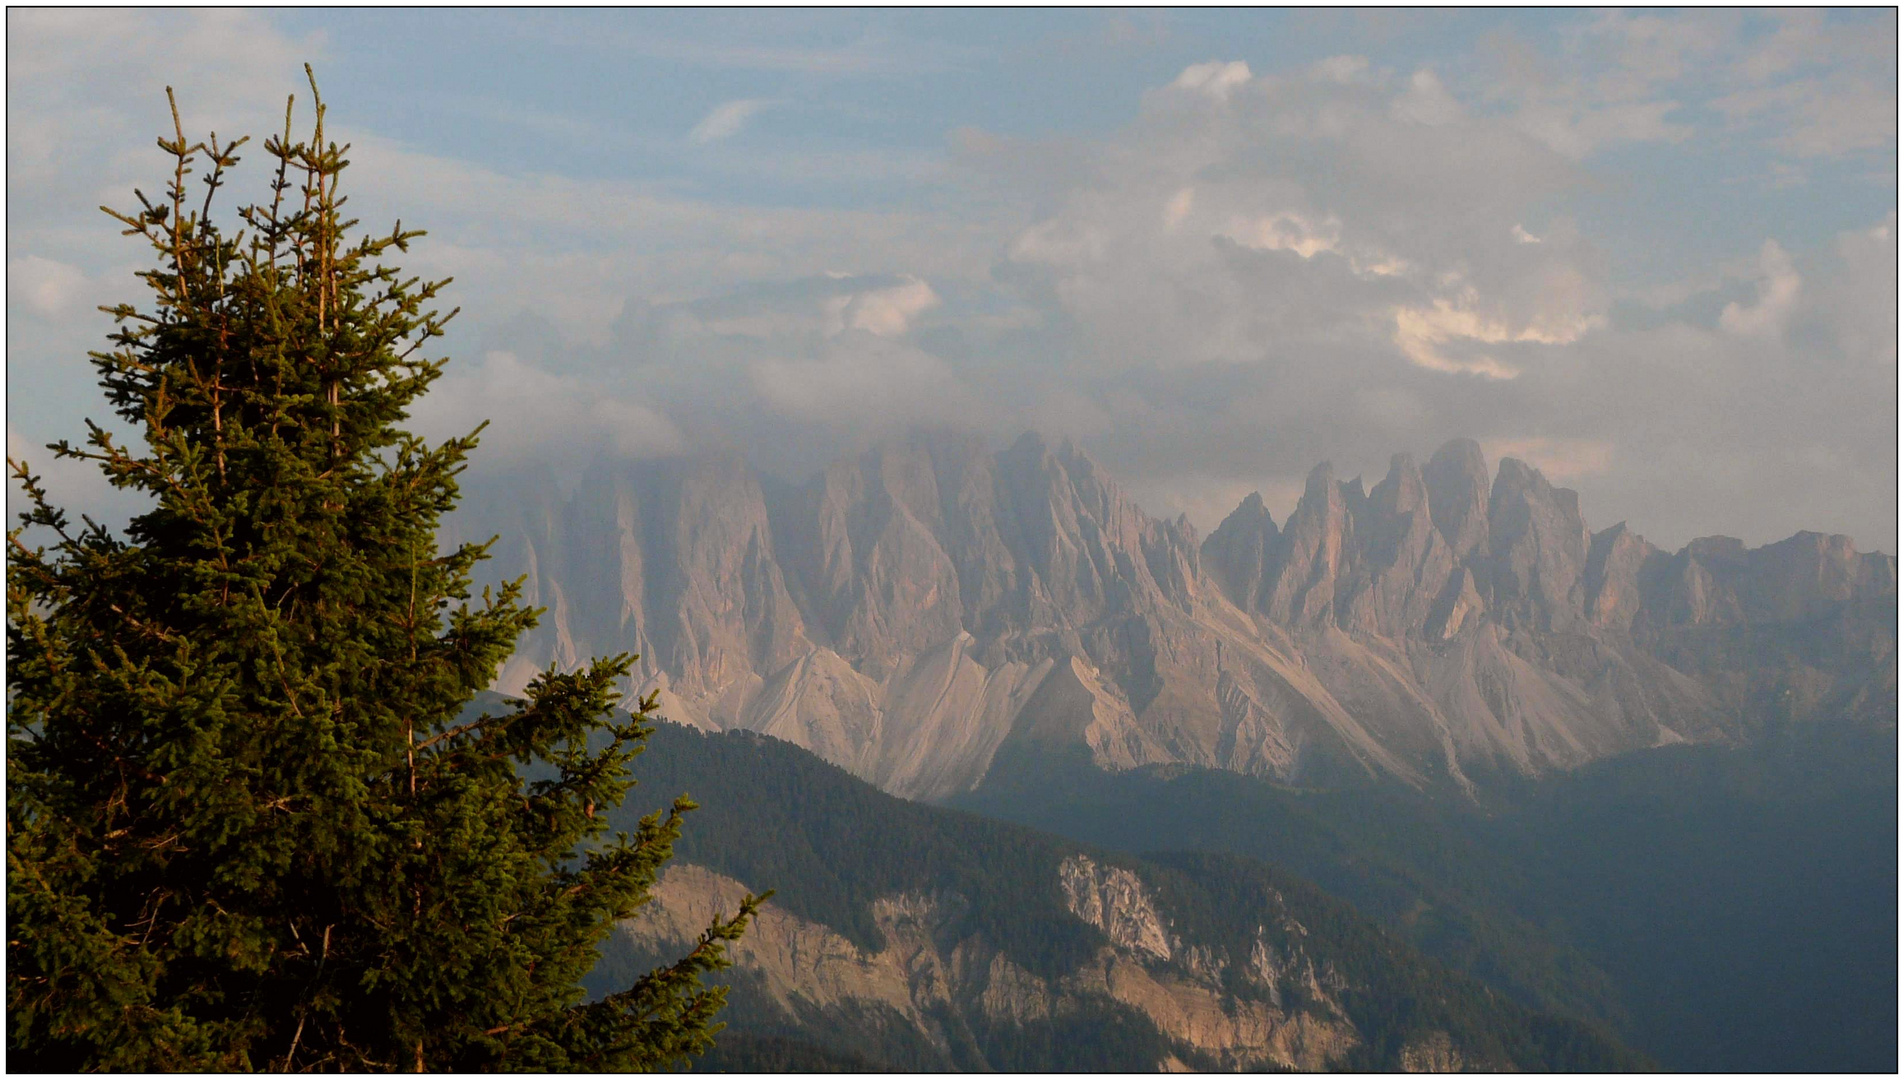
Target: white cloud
1258, 272
1060, 243
577, 248
1401, 231
1426, 101
782, 314
726, 120
1287, 231
887, 312
1777, 294
527, 405
1425, 335
1215, 78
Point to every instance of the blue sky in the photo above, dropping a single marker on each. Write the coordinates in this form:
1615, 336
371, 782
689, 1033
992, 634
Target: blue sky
1653, 253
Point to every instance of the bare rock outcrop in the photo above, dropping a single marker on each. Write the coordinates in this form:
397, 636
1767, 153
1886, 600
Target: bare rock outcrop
937, 982
1318, 548
1243, 554
1619, 563
1539, 546
1457, 480
1406, 562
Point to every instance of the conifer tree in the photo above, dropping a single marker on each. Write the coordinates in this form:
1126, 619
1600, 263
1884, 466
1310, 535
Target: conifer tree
250, 822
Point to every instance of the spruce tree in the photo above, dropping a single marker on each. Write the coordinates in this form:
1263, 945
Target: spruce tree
250, 822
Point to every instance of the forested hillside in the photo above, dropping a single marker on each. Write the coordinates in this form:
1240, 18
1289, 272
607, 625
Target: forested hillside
1722, 908
1041, 954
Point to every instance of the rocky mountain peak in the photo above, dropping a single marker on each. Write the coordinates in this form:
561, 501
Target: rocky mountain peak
1538, 549
1404, 562
1403, 491
1318, 486
1718, 549
1806, 575
1619, 561
1313, 543
1457, 481
909, 608
1243, 552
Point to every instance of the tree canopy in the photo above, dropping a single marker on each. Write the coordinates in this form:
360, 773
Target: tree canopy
249, 823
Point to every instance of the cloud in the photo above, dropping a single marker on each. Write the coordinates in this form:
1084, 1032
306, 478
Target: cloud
1855, 303
1781, 417
1777, 294
887, 312
1819, 117
727, 119
1423, 334
804, 309
1287, 231
1258, 270
1426, 101
1342, 69
1248, 285
1399, 231
867, 385
526, 405
1179, 207
45, 286
1560, 460
1215, 78
1577, 131
578, 248
1799, 82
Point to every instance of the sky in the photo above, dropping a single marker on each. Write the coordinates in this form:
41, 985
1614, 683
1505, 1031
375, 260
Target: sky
1653, 254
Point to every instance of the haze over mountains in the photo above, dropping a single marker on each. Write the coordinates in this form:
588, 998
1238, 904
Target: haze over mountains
918, 610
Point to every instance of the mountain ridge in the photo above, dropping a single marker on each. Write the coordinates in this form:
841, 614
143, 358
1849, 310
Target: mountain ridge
930, 938
926, 605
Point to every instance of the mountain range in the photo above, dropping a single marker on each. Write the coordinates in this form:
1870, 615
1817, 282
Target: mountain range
927, 608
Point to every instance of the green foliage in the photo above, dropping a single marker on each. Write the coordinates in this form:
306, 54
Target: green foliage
246, 827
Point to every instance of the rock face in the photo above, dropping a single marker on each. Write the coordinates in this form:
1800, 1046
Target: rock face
930, 986
1115, 901
920, 609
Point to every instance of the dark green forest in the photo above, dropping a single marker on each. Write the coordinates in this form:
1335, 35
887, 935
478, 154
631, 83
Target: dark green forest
776, 816
1720, 908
